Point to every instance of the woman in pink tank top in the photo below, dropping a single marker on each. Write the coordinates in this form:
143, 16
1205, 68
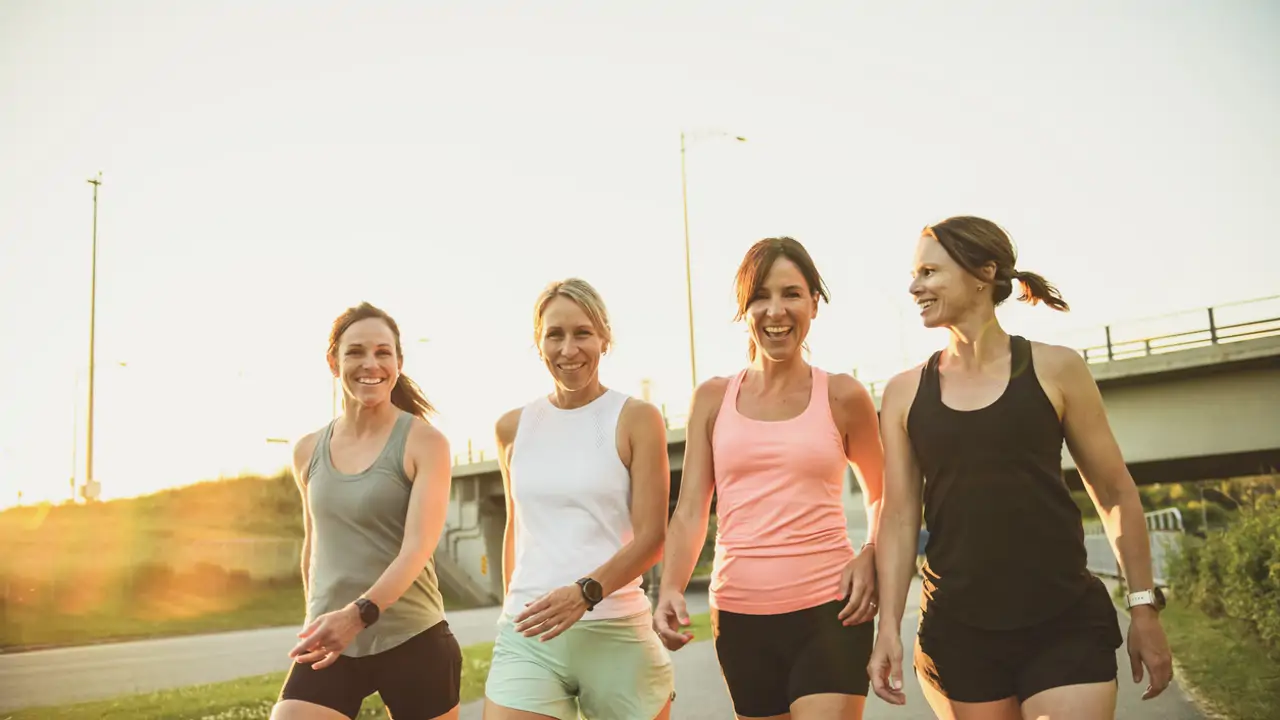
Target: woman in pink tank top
791, 600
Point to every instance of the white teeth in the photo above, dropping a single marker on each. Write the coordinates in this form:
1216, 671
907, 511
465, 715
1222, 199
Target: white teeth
572, 367
369, 381
926, 304
776, 330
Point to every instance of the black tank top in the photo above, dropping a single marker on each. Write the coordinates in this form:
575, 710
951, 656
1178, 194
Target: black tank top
1006, 541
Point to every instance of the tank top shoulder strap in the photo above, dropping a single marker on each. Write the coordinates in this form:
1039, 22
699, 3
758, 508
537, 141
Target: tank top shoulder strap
820, 395
399, 440
320, 454
930, 388
1021, 368
730, 400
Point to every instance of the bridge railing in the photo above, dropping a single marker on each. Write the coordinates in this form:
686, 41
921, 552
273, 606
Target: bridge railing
1141, 337
1164, 528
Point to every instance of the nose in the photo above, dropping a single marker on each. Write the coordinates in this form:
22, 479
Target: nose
914, 288
774, 308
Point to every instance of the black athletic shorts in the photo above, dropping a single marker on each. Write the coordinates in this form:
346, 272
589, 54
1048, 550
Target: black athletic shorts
968, 664
417, 679
769, 661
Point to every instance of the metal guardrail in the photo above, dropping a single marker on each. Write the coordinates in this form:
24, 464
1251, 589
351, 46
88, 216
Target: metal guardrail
1121, 340
1164, 528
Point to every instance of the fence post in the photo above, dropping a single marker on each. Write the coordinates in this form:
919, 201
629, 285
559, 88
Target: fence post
1110, 352
1213, 328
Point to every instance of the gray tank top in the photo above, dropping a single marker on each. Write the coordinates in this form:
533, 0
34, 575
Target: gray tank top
357, 527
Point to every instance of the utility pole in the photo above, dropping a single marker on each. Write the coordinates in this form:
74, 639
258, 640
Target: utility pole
89, 486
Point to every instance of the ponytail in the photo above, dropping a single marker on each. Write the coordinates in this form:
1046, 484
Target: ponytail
407, 396
1035, 289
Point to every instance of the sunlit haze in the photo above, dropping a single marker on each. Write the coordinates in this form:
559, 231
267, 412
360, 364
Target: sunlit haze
266, 165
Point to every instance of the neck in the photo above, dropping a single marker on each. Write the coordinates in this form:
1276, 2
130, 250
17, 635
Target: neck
368, 419
781, 373
978, 339
566, 399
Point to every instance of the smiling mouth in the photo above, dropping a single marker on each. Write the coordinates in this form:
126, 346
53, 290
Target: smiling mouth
572, 367
926, 304
776, 332
370, 381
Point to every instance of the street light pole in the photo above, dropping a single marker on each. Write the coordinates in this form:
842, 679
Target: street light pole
93, 318
688, 270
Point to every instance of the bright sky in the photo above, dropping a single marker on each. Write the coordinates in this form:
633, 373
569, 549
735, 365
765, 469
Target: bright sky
266, 165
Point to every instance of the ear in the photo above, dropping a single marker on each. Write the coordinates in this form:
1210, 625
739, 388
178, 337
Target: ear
814, 314
333, 364
988, 272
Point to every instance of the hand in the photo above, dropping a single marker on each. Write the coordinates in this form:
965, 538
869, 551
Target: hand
858, 583
670, 611
1148, 646
324, 639
885, 667
552, 613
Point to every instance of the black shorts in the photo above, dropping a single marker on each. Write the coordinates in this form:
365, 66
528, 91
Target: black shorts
417, 679
769, 661
968, 664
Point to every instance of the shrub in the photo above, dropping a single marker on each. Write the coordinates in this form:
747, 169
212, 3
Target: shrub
1236, 571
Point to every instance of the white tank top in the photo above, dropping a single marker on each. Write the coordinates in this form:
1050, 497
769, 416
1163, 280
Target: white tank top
572, 501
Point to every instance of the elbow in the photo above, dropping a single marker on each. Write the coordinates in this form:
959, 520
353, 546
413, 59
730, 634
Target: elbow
651, 543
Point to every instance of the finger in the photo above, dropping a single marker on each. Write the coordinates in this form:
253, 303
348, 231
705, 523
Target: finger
865, 612
1135, 663
853, 593
310, 628
1160, 674
858, 600
531, 621
531, 609
895, 677
326, 661
554, 632
682, 613
311, 656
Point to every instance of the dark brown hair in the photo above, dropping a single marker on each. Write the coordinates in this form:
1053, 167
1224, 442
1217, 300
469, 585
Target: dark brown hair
973, 242
406, 394
756, 265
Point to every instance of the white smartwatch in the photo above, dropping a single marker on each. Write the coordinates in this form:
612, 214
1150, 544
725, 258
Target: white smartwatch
1153, 597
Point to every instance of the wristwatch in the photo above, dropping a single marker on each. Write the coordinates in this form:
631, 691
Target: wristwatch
1153, 597
368, 611
591, 592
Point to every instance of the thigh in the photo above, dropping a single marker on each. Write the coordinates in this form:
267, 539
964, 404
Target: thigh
420, 679
341, 688
621, 668
753, 671
1095, 701
825, 656
527, 677
962, 664
1077, 649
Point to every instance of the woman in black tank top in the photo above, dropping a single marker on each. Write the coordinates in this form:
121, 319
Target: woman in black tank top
1011, 618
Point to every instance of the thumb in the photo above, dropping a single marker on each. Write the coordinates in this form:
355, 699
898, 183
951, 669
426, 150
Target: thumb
310, 628
682, 613
895, 672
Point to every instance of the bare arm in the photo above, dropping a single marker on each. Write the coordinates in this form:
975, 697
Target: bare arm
427, 461
688, 530
646, 433
901, 506
861, 430
302, 452
1097, 455
506, 436
1101, 466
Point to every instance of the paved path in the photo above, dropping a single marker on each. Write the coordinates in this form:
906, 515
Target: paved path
93, 672
701, 693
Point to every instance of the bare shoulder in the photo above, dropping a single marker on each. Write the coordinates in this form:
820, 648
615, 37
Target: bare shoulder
303, 450
427, 438
900, 392
637, 413
710, 394
505, 428
845, 389
1058, 363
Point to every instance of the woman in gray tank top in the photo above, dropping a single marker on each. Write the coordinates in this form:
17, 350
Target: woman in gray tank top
375, 489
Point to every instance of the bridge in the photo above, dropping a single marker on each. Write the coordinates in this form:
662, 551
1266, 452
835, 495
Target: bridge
1197, 401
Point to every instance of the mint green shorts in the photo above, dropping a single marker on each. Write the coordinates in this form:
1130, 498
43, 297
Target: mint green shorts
615, 669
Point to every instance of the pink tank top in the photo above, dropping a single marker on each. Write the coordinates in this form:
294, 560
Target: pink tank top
782, 541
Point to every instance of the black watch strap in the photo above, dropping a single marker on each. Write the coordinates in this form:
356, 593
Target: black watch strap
369, 611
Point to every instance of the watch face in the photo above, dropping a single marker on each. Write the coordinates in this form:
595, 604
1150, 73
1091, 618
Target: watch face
592, 590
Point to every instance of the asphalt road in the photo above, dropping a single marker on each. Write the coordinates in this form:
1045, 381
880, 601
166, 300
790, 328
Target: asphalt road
93, 672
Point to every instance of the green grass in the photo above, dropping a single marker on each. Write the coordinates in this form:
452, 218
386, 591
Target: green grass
158, 616
251, 698
1226, 664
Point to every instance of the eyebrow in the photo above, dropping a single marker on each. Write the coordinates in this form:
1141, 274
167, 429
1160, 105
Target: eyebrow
361, 345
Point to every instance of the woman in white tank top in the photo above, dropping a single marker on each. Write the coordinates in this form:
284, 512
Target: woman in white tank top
587, 483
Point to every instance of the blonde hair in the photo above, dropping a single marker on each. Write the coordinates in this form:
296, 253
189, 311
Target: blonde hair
581, 292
